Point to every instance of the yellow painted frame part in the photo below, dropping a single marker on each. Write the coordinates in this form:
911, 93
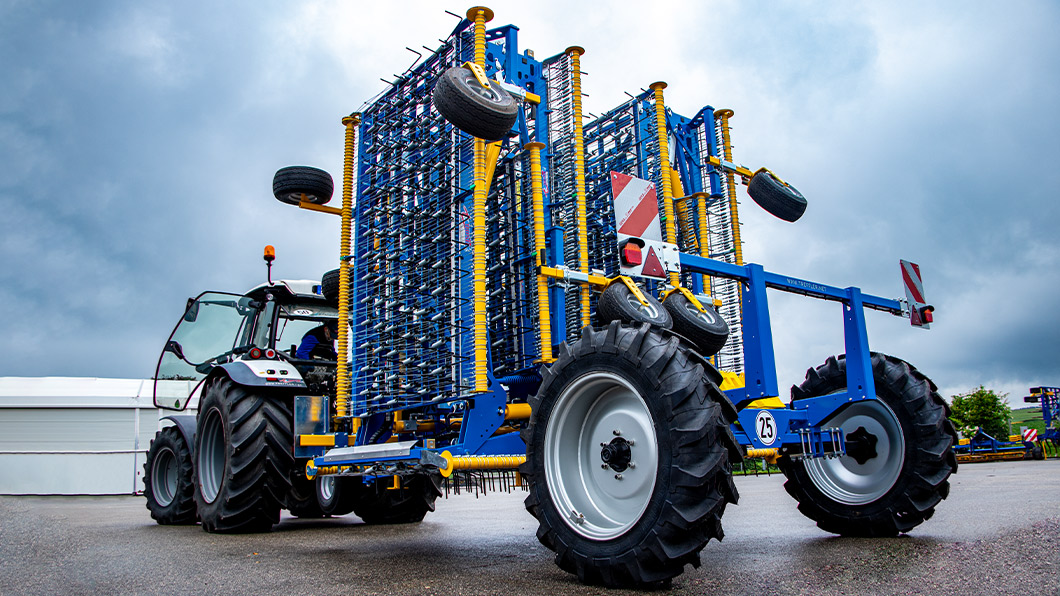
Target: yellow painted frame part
304, 204
704, 235
342, 373
479, 15
687, 294
575, 53
479, 72
664, 166
770, 455
537, 198
557, 273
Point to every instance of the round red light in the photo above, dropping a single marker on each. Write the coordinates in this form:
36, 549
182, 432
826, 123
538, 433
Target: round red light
255, 353
270, 353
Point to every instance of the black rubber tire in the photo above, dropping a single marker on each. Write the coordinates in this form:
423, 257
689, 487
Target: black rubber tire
776, 197
310, 499
375, 502
1036, 452
290, 183
174, 503
706, 330
617, 303
929, 456
253, 457
467, 105
302, 498
329, 286
695, 448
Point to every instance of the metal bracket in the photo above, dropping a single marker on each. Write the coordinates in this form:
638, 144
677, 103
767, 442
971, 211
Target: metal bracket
479, 73
628, 281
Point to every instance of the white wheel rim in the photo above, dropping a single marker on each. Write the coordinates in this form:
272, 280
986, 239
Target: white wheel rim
593, 499
843, 479
164, 476
705, 315
326, 486
648, 310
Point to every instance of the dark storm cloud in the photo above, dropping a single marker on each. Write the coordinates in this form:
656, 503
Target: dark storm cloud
138, 141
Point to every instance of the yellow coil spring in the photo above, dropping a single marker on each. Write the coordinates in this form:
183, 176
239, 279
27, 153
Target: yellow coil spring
726, 146
575, 53
480, 462
478, 224
669, 235
544, 317
342, 383
704, 237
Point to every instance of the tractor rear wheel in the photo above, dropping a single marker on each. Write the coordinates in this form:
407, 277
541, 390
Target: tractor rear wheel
243, 457
168, 483
893, 484
381, 501
629, 455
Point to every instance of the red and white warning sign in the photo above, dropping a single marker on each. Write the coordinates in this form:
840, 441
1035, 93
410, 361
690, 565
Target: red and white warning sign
914, 293
1030, 435
642, 250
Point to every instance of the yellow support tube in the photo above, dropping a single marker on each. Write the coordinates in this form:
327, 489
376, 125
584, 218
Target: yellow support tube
537, 197
480, 15
342, 373
575, 53
669, 235
730, 179
770, 455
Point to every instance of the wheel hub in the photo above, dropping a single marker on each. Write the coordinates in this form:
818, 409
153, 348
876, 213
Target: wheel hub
616, 454
861, 445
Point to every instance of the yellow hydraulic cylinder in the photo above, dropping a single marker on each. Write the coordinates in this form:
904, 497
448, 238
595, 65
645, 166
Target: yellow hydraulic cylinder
669, 234
342, 382
479, 15
575, 53
480, 462
726, 148
537, 197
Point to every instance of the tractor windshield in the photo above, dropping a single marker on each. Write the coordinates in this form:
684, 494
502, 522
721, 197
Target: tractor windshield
213, 325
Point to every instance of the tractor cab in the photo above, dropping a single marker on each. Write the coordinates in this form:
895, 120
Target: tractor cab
254, 335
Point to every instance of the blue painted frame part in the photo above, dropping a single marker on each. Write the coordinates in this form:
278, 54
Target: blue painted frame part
760, 363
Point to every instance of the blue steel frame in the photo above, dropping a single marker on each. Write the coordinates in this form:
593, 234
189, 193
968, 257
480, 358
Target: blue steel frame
806, 415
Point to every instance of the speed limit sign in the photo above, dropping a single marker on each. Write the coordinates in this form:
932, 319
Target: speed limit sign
766, 427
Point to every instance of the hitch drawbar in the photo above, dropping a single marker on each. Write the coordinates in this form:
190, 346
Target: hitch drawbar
388, 457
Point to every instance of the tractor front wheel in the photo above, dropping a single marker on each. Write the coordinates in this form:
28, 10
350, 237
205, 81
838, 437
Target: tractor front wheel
168, 483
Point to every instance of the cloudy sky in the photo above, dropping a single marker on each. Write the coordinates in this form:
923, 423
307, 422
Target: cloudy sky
138, 142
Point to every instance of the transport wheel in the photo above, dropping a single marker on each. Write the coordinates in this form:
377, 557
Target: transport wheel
629, 457
290, 183
325, 496
617, 303
378, 502
704, 328
776, 197
1036, 453
243, 457
896, 469
168, 482
484, 113
329, 286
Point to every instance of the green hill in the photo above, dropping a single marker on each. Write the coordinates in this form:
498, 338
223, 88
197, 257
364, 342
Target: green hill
1031, 417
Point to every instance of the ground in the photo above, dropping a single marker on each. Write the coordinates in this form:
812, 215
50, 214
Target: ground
998, 533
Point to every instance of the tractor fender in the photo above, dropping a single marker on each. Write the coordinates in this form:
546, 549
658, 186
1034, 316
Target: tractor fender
260, 373
185, 423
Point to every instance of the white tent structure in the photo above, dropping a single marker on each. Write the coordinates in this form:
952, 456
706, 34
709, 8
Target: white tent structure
75, 436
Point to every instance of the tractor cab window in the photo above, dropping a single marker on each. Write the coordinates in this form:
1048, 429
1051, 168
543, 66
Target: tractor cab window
212, 328
295, 320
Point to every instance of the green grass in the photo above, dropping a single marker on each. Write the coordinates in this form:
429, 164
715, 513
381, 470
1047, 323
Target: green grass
1031, 417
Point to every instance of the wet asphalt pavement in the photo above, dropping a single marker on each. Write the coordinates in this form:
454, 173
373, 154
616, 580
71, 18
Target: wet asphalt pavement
998, 533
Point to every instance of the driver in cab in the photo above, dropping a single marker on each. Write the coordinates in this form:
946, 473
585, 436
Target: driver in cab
319, 342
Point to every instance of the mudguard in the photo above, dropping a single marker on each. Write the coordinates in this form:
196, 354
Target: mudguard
186, 425
262, 373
